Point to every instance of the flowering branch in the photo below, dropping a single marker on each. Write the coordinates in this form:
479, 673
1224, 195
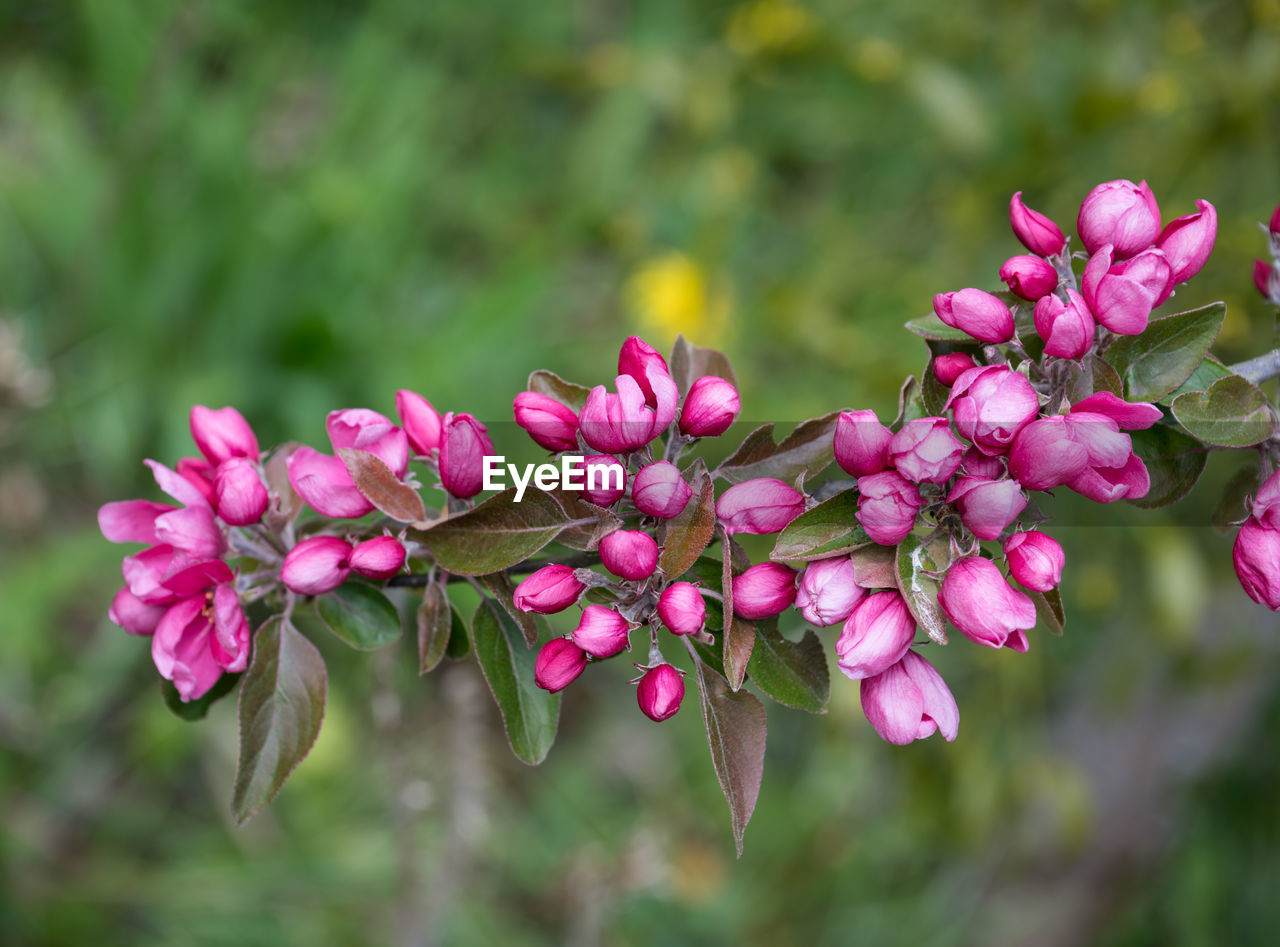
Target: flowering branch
1073, 379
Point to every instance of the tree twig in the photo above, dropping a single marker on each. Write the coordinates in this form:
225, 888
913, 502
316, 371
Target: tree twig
1260, 369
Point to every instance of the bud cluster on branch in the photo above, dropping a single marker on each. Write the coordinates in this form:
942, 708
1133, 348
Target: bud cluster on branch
1072, 379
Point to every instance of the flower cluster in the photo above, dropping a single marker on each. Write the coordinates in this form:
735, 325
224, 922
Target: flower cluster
1266, 273
626, 479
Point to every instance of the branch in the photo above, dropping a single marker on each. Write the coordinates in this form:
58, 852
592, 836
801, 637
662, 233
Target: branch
1260, 369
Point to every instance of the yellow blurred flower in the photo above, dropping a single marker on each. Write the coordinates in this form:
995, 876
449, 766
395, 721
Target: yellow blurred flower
672, 295
767, 26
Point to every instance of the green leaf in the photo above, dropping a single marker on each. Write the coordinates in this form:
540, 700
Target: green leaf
435, 623
459, 641
690, 531
1206, 373
1173, 460
1089, 376
495, 535
529, 713
1049, 609
690, 362
1232, 412
933, 329
875, 566
933, 393
808, 449
1234, 508
500, 587
708, 570
553, 386
281, 707
1164, 356
197, 709
736, 732
793, 673
822, 532
360, 615
920, 589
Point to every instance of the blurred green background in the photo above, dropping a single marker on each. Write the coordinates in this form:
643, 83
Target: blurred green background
294, 207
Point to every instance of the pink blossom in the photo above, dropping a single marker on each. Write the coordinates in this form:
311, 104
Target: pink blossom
875, 637
660, 692
420, 420
987, 609
241, 497
887, 506
601, 632
550, 424
764, 590
198, 638
549, 590
629, 554
1188, 241
910, 701
987, 507
976, 313
947, 368
1122, 214
316, 565
861, 443
925, 451
828, 593
1066, 327
464, 444
222, 434
658, 490
1035, 560
378, 558
763, 505
682, 608
990, 406
1029, 276
1256, 555
558, 664
710, 407
1037, 232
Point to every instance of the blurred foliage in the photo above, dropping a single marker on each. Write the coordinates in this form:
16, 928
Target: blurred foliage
294, 207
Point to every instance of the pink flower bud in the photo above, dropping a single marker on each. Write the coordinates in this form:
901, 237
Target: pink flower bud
710, 407
990, 406
604, 479
239, 492
1267, 279
323, 482
887, 507
987, 506
1029, 276
222, 434
1257, 560
420, 420
133, 614
828, 593
909, 702
558, 664
549, 590
659, 490
1035, 560
629, 554
925, 450
131, 521
1188, 241
642, 362
549, 423
947, 368
369, 431
763, 505
1066, 327
1127, 415
682, 608
1037, 232
192, 530
601, 632
1266, 505
464, 443
1119, 213
1274, 226
978, 313
621, 422
764, 590
316, 565
987, 609
861, 443
977, 464
378, 558
1046, 455
1121, 296
660, 691
875, 637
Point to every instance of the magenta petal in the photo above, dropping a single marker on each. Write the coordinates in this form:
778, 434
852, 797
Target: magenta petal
133, 614
176, 485
893, 705
323, 482
181, 652
939, 704
187, 577
231, 630
144, 573
1129, 415
131, 521
193, 531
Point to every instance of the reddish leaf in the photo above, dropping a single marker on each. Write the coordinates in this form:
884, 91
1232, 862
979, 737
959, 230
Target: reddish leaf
689, 533
689, 363
736, 732
376, 482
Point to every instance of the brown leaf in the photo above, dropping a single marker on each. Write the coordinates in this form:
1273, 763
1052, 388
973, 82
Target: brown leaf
435, 623
547, 383
736, 732
739, 635
690, 532
809, 448
875, 566
285, 502
690, 362
376, 482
